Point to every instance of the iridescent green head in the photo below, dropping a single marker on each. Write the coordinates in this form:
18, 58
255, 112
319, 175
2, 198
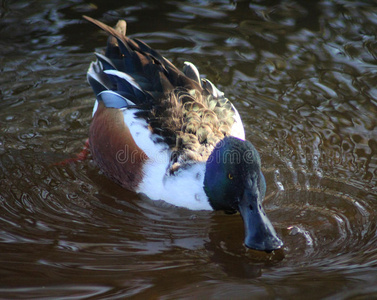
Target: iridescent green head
234, 182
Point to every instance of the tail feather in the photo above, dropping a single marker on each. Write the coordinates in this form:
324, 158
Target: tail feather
127, 86
154, 74
107, 64
98, 80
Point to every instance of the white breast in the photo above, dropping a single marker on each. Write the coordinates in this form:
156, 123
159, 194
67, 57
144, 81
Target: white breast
184, 188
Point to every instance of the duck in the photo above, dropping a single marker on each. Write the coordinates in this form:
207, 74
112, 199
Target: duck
172, 135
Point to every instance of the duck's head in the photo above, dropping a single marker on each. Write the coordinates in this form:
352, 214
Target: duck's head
234, 182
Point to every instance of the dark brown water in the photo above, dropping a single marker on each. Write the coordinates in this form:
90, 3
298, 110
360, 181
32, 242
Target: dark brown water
303, 77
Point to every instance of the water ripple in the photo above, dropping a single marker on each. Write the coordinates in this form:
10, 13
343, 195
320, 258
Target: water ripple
303, 78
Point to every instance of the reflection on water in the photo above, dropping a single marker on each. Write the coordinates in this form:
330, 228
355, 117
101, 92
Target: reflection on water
303, 78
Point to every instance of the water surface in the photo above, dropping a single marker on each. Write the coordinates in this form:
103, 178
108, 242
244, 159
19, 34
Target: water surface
303, 77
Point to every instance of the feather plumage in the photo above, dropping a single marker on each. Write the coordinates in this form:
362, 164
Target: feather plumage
188, 112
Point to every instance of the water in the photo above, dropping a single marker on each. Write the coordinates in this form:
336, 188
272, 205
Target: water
302, 75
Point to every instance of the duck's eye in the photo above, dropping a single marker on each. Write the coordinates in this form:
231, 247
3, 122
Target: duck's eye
230, 176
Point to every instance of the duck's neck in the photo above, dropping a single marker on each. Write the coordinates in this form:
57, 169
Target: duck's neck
215, 187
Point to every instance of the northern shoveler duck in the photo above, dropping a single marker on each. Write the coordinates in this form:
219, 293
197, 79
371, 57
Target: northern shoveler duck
173, 136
